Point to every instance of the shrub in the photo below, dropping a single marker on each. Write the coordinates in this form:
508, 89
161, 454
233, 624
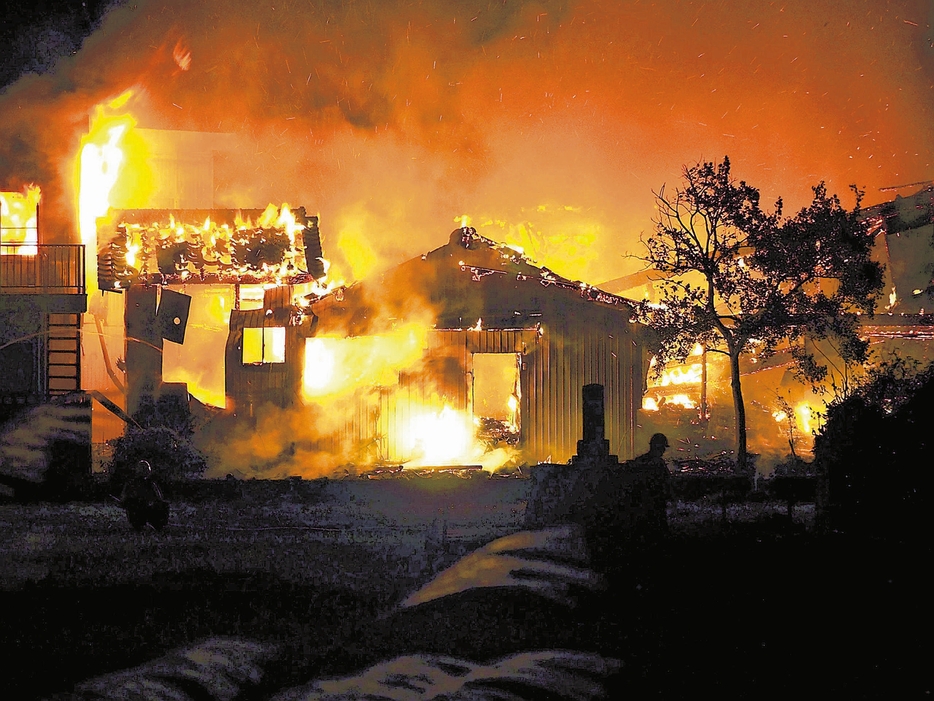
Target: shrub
873, 453
172, 456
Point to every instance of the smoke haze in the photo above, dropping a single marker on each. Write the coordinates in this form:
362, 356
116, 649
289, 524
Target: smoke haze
548, 122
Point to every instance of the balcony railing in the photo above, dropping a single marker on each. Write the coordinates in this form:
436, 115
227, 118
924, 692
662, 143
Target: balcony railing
42, 269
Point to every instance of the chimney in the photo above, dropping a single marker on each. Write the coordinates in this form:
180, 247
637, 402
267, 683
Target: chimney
593, 446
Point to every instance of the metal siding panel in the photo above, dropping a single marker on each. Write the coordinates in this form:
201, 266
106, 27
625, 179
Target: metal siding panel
539, 391
567, 360
574, 349
554, 378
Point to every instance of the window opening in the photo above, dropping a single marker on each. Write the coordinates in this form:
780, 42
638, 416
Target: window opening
264, 345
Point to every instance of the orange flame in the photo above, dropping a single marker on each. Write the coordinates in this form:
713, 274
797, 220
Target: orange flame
690, 375
19, 213
102, 159
433, 432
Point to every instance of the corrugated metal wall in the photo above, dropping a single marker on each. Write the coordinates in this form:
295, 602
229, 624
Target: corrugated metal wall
553, 375
556, 362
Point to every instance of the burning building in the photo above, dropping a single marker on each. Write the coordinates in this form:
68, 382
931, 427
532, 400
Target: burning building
468, 354
465, 351
42, 298
153, 254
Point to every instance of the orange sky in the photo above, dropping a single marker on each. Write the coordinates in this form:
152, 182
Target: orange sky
551, 120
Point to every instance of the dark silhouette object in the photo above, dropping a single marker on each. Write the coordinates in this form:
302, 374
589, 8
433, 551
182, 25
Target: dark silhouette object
173, 454
562, 493
45, 448
652, 487
793, 490
873, 459
232, 488
620, 506
762, 264
143, 500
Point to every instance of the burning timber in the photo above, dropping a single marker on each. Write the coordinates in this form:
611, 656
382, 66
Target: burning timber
164, 247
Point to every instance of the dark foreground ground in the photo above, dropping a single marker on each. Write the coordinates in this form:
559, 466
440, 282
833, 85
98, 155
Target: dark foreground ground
756, 607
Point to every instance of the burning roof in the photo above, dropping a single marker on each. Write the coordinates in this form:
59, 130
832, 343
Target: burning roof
275, 245
512, 293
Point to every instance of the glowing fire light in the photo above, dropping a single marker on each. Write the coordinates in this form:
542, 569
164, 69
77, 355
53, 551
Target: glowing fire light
893, 299
649, 404
513, 404
268, 250
100, 159
319, 365
438, 438
682, 400
432, 432
804, 417
181, 56
691, 375
19, 213
339, 366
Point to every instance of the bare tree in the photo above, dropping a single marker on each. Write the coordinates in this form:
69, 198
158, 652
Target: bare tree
737, 278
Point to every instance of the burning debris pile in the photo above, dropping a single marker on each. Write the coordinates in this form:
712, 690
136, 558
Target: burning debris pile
282, 247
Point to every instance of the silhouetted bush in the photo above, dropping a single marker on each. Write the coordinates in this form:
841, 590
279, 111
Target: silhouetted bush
874, 454
172, 456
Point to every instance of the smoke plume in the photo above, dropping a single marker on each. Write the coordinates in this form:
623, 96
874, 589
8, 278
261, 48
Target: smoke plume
393, 118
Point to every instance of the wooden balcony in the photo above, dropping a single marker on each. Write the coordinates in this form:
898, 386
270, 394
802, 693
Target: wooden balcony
42, 269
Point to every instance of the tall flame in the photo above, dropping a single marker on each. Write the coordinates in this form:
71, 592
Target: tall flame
100, 161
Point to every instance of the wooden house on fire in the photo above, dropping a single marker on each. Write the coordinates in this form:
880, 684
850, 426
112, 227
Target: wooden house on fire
471, 327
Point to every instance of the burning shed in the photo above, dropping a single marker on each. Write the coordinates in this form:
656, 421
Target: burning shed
464, 352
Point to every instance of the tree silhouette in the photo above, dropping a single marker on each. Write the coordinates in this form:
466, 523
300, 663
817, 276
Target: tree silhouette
735, 278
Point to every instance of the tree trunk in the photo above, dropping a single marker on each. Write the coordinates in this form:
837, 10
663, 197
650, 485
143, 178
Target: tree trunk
740, 410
